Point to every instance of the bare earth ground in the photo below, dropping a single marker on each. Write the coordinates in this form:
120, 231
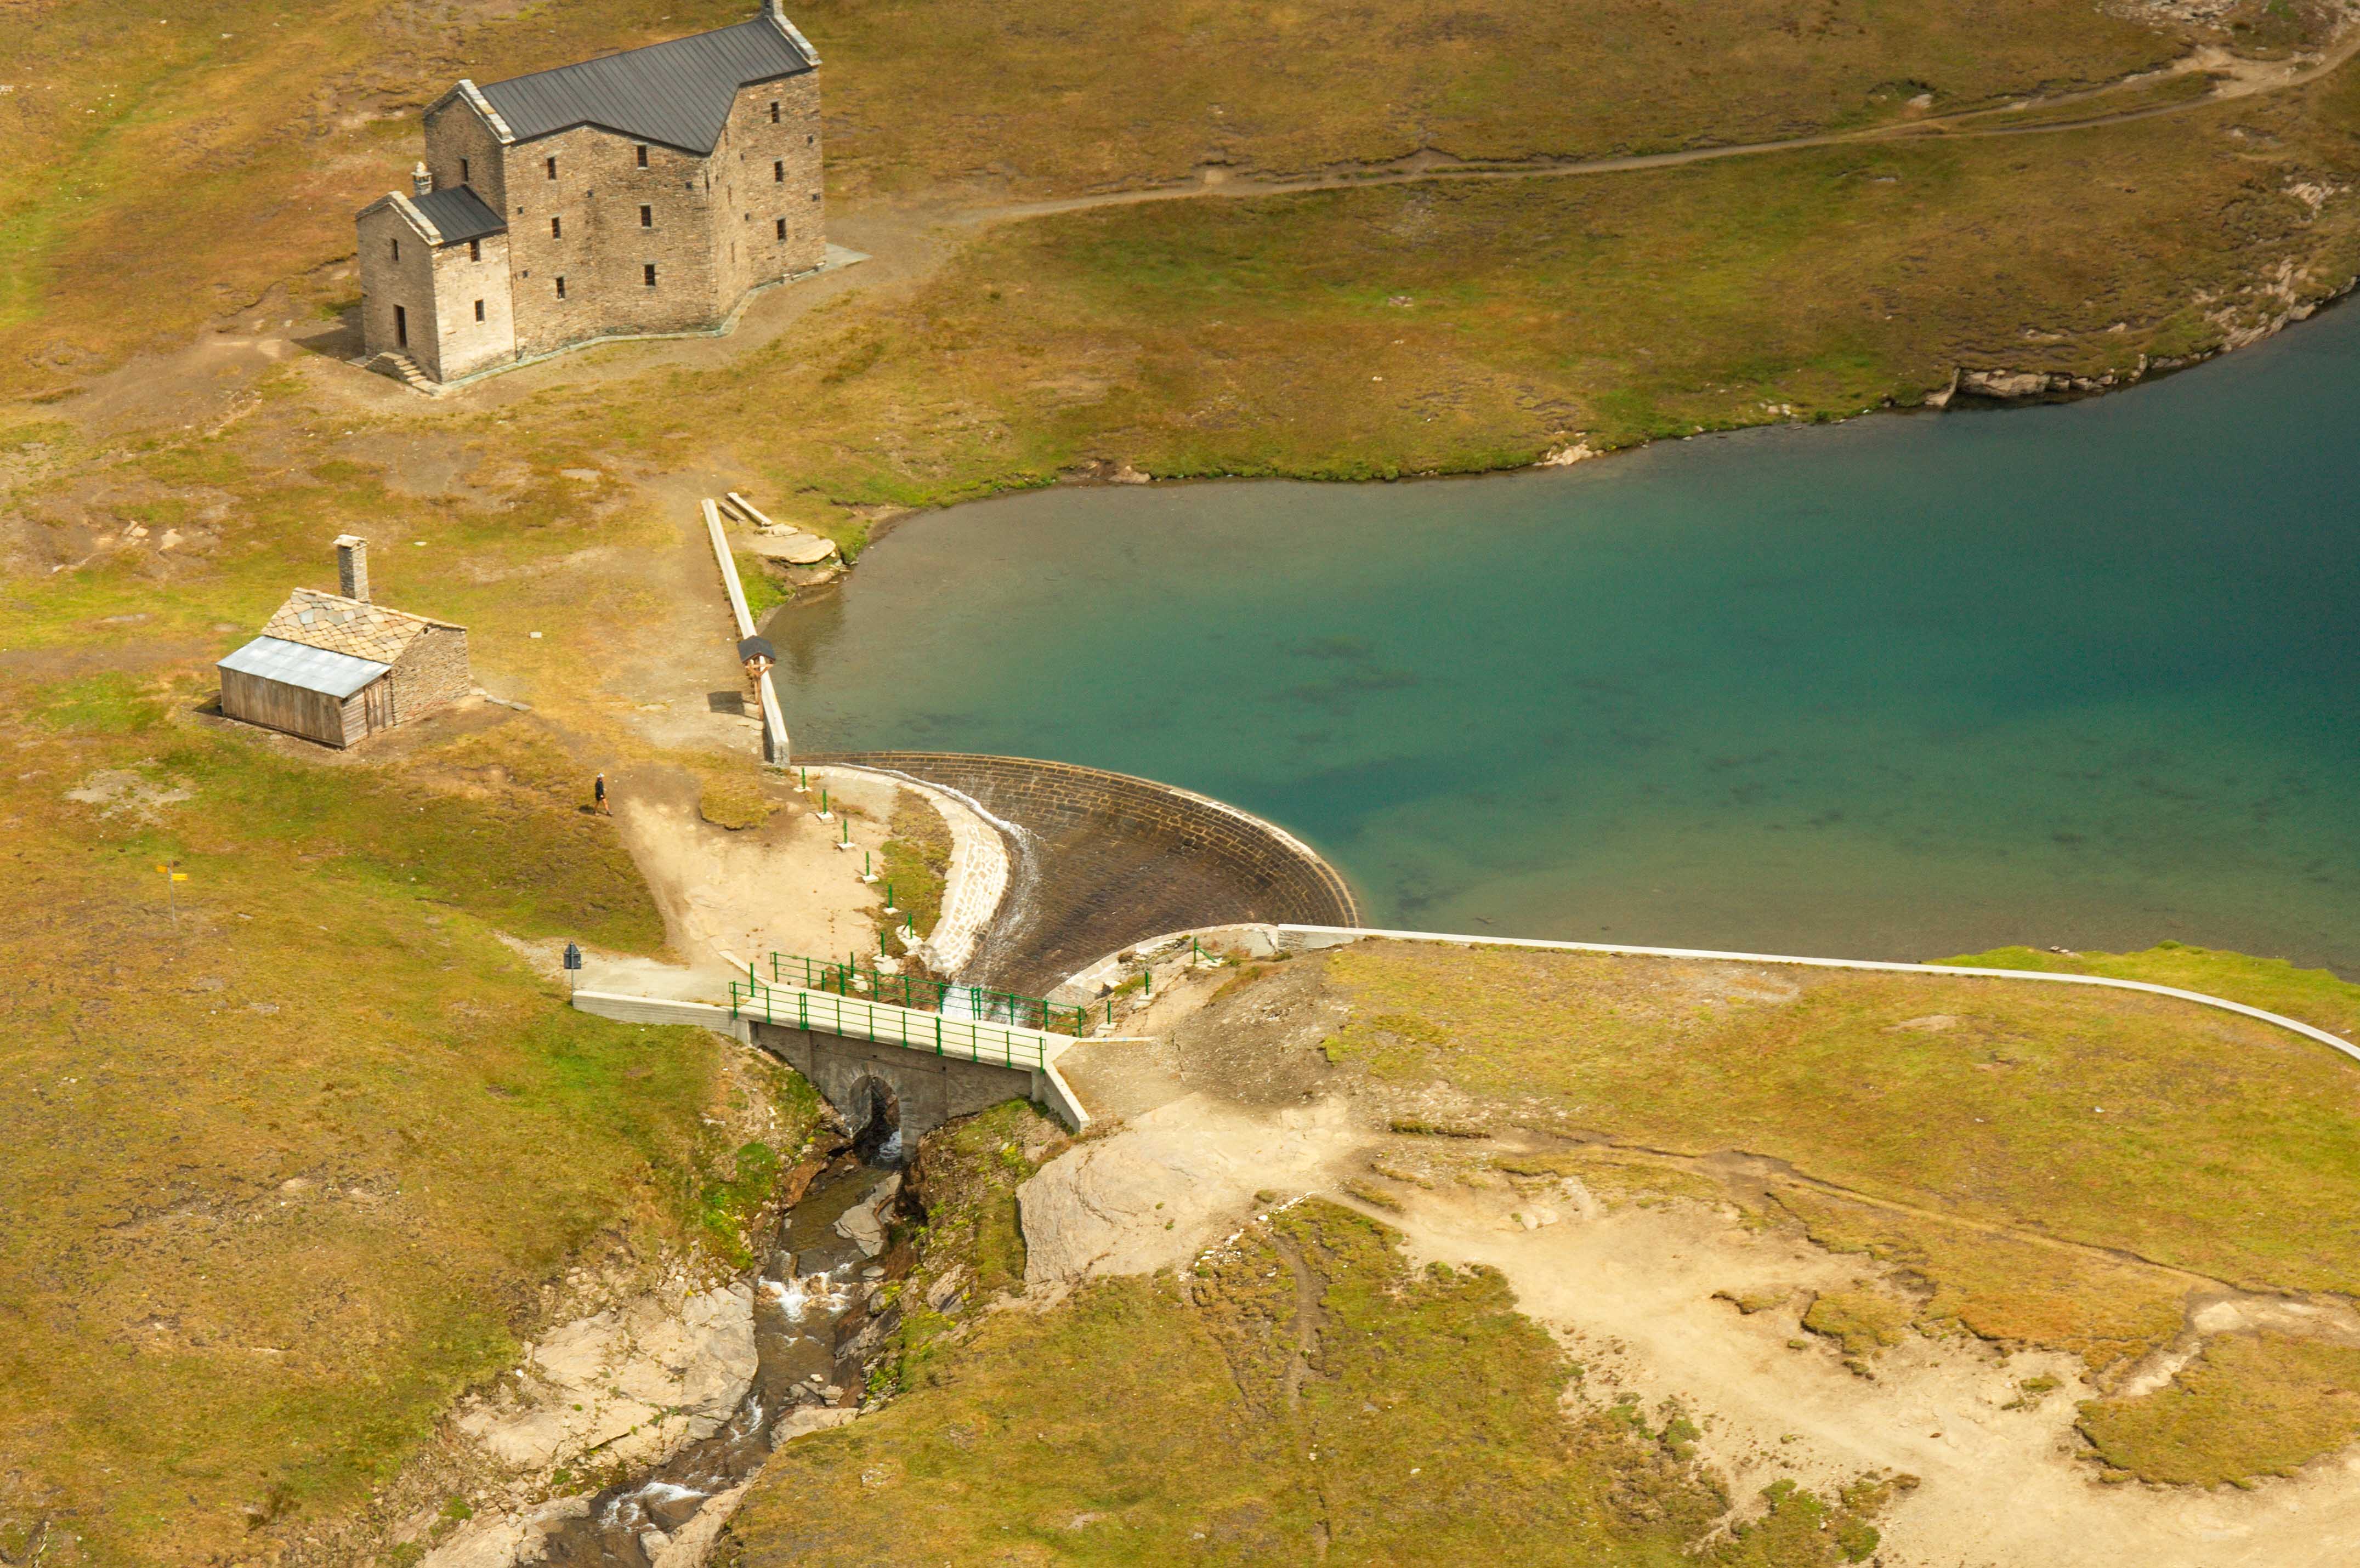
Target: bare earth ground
733, 896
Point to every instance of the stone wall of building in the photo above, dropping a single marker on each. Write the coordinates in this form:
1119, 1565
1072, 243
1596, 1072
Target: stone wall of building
430, 673
461, 151
473, 307
389, 280
766, 177
603, 241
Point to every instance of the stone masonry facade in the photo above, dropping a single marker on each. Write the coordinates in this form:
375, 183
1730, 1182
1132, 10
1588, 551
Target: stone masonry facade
535, 224
432, 673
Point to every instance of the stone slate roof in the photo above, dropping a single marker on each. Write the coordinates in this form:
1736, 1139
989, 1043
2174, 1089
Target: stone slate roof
460, 213
351, 627
677, 93
337, 675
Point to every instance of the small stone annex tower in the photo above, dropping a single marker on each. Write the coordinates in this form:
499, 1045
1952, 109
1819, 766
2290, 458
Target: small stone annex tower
645, 191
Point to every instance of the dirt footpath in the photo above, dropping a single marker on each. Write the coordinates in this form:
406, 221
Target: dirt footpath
730, 896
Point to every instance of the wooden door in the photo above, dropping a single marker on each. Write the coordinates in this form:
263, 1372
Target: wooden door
377, 705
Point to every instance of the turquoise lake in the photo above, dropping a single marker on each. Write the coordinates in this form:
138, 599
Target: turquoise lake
2085, 675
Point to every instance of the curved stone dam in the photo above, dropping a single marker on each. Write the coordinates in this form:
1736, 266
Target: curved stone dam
1102, 860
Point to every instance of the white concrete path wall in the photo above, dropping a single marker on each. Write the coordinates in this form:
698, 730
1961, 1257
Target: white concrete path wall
977, 882
1084, 984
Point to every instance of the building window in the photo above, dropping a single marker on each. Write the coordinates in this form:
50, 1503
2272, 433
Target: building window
475, 250
557, 228
463, 171
774, 113
782, 228
808, 140
647, 217
551, 166
778, 172
397, 250
648, 274
401, 326
479, 310
561, 287
814, 195
643, 151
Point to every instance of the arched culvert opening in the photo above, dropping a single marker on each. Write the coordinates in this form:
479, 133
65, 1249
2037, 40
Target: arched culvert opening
875, 1113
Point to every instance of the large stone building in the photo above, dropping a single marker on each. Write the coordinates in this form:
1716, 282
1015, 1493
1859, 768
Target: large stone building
646, 192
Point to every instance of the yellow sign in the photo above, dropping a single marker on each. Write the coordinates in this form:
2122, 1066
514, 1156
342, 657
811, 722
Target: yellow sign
175, 875
179, 876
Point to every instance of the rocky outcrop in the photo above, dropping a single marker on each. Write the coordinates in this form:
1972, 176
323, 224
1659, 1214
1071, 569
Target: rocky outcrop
1171, 1183
625, 1386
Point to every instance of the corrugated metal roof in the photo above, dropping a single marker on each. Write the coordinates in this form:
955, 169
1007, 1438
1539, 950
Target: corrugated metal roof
676, 93
459, 212
337, 675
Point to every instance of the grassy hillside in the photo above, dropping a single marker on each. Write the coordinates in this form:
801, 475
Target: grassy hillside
289, 1168
1303, 1396
172, 163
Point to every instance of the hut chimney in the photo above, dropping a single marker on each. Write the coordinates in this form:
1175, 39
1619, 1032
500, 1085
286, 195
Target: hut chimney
352, 566
421, 180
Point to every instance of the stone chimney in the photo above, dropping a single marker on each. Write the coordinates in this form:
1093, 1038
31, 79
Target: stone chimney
421, 180
352, 566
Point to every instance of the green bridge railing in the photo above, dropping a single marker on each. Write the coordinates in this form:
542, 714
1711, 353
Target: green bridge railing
849, 978
883, 1023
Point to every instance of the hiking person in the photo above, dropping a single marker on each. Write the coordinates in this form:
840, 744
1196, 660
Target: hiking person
598, 796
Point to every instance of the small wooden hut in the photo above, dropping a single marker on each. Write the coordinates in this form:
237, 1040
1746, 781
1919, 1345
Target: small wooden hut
335, 668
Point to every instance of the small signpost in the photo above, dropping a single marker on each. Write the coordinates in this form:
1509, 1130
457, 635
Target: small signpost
171, 872
572, 965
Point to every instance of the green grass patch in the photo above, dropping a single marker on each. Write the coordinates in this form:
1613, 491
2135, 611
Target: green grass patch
2248, 1406
915, 862
2308, 996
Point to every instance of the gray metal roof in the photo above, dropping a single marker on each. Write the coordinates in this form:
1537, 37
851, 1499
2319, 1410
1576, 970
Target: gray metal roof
330, 674
676, 93
460, 213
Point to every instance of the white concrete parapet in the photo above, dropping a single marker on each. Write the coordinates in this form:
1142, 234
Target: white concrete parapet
1264, 939
660, 1010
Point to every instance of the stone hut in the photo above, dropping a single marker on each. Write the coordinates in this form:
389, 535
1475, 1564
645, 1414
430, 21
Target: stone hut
335, 667
647, 192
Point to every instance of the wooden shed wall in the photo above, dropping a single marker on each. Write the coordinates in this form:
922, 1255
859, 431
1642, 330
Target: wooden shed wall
277, 706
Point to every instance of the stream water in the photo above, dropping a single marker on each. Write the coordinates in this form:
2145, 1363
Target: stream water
809, 1306
2085, 675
